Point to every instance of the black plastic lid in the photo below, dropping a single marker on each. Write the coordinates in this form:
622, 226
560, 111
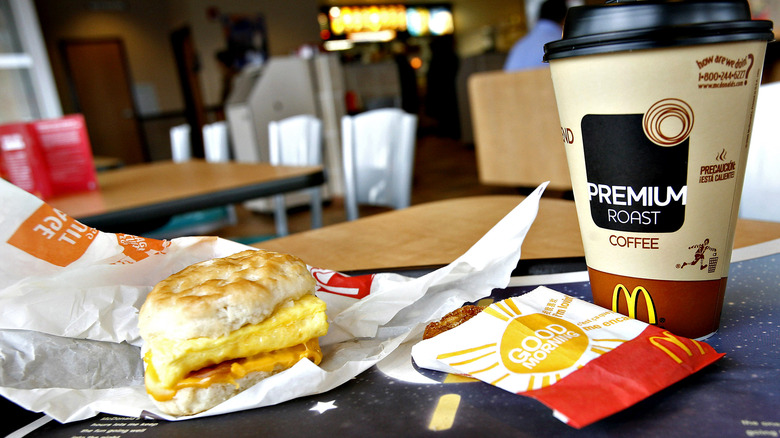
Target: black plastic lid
646, 24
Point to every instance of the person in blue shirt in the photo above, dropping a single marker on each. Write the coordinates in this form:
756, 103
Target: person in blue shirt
528, 51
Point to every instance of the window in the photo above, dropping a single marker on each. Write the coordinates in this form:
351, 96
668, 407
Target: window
27, 87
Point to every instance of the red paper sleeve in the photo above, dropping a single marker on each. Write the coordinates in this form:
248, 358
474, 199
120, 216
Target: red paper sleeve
643, 366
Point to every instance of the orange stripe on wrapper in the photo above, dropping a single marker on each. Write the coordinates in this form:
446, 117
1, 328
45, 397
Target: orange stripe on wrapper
53, 236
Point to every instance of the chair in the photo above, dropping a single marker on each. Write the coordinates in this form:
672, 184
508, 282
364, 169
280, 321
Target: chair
761, 190
215, 142
517, 133
180, 143
378, 158
216, 147
296, 141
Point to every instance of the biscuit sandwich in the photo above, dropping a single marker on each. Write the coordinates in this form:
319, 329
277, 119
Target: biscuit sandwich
218, 327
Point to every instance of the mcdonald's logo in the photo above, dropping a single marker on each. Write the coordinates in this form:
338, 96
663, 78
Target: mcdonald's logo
672, 340
631, 302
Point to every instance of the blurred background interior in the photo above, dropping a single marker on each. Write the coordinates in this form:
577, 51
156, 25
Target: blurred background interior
137, 68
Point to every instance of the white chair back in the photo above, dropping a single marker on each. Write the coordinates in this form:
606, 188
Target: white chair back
378, 158
215, 142
180, 143
296, 141
761, 190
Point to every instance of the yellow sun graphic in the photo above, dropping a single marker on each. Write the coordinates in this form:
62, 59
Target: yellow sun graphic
532, 350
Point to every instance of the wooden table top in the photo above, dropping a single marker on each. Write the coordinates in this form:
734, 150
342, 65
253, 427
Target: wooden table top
437, 233
163, 188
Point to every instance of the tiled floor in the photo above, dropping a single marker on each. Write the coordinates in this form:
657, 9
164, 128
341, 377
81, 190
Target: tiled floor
444, 168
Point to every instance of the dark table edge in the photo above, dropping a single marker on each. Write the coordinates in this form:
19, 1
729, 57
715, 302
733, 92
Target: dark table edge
166, 209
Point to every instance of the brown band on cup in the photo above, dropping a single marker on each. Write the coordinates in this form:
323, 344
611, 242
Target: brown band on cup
687, 308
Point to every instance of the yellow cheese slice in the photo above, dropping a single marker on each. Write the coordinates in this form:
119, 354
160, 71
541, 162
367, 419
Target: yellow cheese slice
231, 371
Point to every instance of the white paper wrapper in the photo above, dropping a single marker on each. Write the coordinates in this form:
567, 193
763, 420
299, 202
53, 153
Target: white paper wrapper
69, 342
581, 360
547, 346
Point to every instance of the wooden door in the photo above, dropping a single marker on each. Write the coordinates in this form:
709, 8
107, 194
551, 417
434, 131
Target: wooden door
100, 81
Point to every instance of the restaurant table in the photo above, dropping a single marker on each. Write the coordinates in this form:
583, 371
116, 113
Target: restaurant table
436, 233
154, 192
737, 396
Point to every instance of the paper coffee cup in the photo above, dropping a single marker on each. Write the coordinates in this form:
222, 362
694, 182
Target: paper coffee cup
656, 102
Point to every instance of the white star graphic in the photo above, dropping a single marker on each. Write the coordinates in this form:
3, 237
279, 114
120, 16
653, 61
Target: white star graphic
326, 406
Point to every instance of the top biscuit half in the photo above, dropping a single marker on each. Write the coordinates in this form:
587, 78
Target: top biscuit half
218, 296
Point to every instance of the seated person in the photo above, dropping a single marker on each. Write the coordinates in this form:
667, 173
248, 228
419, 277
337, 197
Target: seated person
528, 51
